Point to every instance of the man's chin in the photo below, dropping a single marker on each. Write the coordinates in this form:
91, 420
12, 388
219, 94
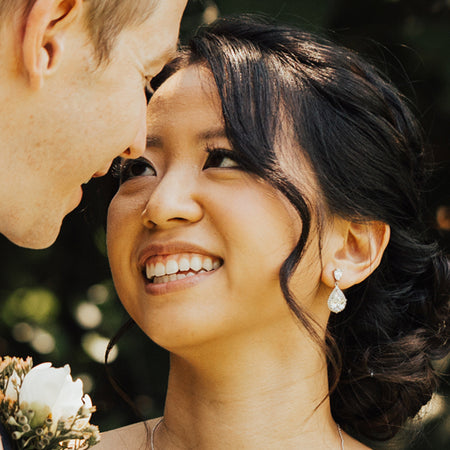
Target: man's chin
38, 234
35, 241
39, 230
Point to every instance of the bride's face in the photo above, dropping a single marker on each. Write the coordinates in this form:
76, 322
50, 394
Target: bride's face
195, 242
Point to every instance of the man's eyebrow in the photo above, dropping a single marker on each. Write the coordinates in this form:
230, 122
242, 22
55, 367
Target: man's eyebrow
212, 134
154, 141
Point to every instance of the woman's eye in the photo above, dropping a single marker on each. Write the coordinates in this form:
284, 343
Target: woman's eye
220, 158
132, 168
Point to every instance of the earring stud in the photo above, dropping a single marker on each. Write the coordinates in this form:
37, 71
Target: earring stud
337, 300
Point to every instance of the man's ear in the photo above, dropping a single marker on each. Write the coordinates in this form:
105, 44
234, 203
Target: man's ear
354, 248
45, 30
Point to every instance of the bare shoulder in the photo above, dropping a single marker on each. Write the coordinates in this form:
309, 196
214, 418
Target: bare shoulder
131, 437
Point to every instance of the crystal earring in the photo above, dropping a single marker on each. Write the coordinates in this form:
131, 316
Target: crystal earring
337, 300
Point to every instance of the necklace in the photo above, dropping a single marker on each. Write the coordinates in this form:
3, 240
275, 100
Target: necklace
340, 435
152, 435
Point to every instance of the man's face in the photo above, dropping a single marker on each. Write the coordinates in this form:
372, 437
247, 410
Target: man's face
80, 119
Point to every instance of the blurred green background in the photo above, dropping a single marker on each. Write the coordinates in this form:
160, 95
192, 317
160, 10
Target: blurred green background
59, 304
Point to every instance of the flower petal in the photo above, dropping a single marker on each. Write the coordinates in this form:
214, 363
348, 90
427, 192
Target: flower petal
51, 389
11, 388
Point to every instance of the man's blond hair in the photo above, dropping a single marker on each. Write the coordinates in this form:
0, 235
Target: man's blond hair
105, 19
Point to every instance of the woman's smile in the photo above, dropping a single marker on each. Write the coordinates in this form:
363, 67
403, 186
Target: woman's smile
167, 273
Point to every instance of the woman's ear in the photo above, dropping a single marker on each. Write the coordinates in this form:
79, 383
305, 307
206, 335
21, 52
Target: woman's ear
45, 30
354, 248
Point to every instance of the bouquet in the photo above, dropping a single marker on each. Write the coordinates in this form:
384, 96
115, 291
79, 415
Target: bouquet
42, 408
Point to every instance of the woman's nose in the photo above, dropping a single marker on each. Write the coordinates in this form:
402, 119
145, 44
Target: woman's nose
173, 201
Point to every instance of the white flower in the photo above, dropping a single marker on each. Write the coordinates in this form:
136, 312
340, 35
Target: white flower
85, 414
51, 392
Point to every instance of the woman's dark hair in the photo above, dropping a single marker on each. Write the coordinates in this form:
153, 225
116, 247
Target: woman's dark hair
366, 151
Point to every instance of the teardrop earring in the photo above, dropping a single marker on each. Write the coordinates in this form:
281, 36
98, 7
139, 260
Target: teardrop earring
337, 300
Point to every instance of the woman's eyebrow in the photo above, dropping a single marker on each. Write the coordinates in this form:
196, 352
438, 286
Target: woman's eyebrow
154, 141
212, 133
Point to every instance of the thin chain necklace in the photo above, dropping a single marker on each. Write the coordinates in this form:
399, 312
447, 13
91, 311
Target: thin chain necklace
152, 435
340, 435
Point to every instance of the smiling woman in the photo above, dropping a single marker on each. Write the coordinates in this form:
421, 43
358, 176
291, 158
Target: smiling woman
280, 171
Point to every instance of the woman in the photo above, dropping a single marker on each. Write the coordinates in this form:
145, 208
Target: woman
271, 240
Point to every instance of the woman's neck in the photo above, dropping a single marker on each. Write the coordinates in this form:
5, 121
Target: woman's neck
266, 393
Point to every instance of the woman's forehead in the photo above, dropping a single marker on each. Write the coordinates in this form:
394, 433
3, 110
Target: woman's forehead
186, 106
193, 85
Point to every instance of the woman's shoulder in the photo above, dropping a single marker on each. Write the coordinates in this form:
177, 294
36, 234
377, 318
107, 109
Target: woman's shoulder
130, 437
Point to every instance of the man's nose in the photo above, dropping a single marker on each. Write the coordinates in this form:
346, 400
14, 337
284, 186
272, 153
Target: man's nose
137, 147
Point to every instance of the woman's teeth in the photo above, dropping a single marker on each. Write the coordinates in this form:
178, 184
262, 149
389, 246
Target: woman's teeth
177, 267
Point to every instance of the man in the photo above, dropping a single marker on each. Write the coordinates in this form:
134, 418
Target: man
72, 79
